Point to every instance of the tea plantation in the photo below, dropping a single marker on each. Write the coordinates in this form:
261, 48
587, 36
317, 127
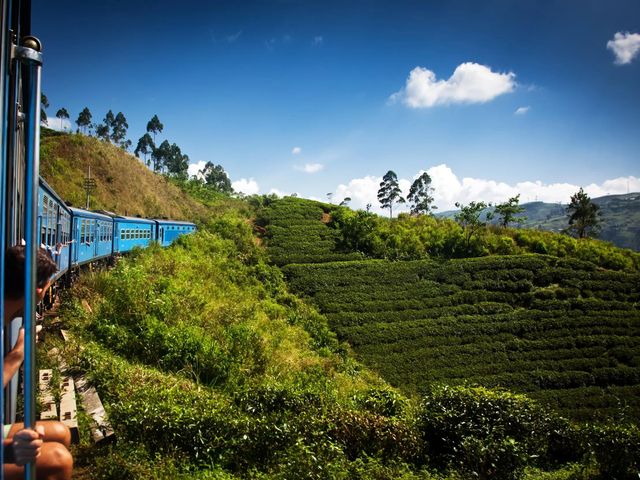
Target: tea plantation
295, 232
561, 330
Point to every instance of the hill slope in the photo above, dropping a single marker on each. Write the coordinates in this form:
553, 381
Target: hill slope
124, 184
563, 330
210, 369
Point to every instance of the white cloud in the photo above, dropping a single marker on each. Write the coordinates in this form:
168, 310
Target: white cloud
194, 168
233, 37
449, 189
54, 123
248, 187
522, 110
275, 191
317, 41
296, 151
625, 47
470, 83
310, 167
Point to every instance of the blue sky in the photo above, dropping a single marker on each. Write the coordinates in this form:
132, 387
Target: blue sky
318, 97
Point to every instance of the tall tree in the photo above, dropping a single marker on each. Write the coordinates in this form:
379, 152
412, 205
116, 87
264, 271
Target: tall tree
145, 147
84, 120
469, 218
119, 128
420, 195
389, 192
154, 126
102, 131
176, 162
62, 114
216, 178
44, 104
159, 156
508, 211
107, 122
584, 215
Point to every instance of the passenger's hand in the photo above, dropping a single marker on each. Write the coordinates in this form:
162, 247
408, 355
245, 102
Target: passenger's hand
27, 444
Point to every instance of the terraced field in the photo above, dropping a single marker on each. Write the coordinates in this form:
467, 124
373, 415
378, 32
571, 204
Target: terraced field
296, 232
561, 330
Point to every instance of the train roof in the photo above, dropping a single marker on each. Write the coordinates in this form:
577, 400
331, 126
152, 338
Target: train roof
174, 222
124, 218
52, 193
87, 214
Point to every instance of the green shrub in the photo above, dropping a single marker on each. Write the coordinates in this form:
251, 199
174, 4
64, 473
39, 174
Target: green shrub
486, 434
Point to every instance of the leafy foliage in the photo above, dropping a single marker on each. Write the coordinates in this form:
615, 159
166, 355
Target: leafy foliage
389, 192
508, 211
216, 178
583, 214
84, 119
420, 195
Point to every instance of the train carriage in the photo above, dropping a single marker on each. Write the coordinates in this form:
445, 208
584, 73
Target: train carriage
91, 236
168, 230
54, 225
130, 232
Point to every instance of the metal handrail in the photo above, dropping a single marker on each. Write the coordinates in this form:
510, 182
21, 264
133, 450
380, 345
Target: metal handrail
28, 55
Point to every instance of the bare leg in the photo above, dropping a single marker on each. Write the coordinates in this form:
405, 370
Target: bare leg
54, 431
53, 463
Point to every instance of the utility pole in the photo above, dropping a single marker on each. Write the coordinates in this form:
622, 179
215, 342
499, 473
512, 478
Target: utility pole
89, 186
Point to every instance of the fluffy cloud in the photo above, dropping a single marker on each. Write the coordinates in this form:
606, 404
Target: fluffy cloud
310, 167
296, 151
470, 83
317, 41
248, 187
194, 168
625, 46
275, 191
449, 189
60, 125
522, 110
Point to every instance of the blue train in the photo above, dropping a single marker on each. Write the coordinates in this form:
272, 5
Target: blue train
76, 237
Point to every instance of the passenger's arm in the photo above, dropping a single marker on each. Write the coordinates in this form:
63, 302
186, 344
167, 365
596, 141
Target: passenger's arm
13, 359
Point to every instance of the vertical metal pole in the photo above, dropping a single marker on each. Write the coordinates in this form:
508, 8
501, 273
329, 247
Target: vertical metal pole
29, 54
4, 67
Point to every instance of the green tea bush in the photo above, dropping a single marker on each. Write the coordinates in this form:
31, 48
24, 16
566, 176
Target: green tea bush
617, 450
483, 433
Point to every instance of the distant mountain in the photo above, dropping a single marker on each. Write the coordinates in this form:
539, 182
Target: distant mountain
620, 218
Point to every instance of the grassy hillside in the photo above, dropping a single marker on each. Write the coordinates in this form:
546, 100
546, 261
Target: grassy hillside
562, 329
124, 184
